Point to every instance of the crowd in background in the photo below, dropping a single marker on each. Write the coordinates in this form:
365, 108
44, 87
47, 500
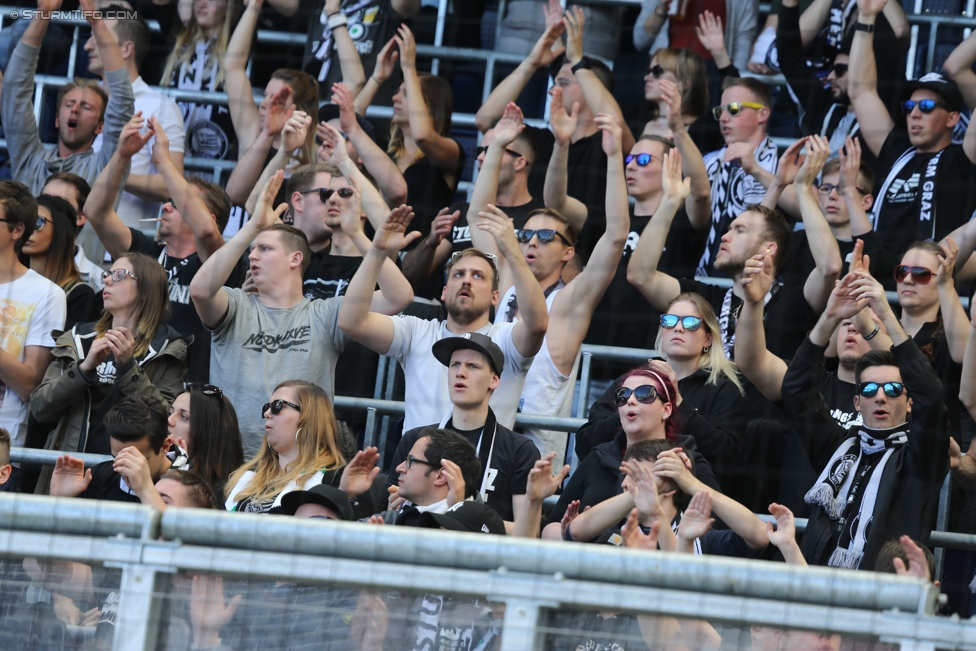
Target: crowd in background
149, 309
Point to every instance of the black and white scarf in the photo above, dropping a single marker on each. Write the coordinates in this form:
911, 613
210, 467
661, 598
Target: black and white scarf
732, 190
728, 318
927, 203
841, 481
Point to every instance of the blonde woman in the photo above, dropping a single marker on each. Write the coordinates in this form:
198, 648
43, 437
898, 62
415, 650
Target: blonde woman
299, 450
129, 351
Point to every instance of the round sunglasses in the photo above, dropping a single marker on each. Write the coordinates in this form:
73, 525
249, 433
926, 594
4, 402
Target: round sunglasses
924, 105
891, 389
921, 275
645, 393
545, 235
277, 405
670, 321
734, 108
643, 160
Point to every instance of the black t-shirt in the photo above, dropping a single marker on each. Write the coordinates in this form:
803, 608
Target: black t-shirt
183, 315
800, 262
106, 484
623, 316
839, 398
328, 276
927, 198
461, 234
787, 317
931, 340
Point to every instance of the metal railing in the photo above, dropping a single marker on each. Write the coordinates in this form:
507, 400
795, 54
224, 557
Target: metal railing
530, 577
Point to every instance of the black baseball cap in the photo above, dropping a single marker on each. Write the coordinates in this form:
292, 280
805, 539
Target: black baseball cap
327, 496
444, 348
331, 112
469, 515
939, 84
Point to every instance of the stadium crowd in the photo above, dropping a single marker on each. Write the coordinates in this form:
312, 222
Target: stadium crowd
148, 311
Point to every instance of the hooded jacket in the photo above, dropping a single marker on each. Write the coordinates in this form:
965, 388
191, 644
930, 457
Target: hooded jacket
64, 395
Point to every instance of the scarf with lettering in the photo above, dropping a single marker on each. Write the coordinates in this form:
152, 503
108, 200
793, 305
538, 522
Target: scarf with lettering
843, 478
927, 189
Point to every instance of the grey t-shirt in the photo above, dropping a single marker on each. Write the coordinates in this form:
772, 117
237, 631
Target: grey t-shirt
257, 347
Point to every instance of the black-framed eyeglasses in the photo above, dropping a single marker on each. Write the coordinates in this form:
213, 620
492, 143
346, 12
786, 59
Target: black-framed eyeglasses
827, 188
839, 69
277, 405
643, 160
645, 393
545, 235
117, 275
410, 460
325, 193
657, 70
921, 275
924, 105
478, 151
690, 323
39, 225
891, 389
208, 389
734, 107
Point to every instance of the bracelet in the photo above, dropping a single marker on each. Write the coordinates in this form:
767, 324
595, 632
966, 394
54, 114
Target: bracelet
863, 27
337, 19
869, 337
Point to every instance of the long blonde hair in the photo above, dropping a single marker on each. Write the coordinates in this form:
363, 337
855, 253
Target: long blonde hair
712, 358
318, 448
191, 33
152, 301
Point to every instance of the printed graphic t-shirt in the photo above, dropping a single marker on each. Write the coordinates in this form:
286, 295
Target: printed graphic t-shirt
31, 307
257, 347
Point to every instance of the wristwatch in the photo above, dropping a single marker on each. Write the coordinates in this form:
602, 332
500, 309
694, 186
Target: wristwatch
863, 27
337, 19
584, 64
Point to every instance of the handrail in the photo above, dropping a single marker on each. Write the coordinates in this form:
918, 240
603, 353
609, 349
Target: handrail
70, 515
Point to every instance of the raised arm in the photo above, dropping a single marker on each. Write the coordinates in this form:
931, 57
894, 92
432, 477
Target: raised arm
573, 307
530, 329
114, 235
292, 137
959, 66
712, 37
245, 183
554, 192
382, 71
373, 205
541, 484
653, 15
206, 235
656, 286
969, 142
433, 251
350, 64
954, 317
443, 152
964, 465
823, 245
597, 96
240, 96
850, 169
764, 369
784, 537
698, 205
371, 329
389, 180
511, 86
206, 288
871, 113
812, 20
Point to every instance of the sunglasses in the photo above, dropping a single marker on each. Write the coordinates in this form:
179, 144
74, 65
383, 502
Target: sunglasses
643, 160
734, 108
208, 390
277, 405
657, 71
827, 188
921, 275
478, 151
891, 389
492, 258
410, 460
39, 226
690, 323
117, 275
840, 69
325, 193
545, 235
645, 393
924, 105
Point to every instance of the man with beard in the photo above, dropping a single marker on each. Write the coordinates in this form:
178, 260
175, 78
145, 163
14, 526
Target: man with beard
470, 292
789, 310
84, 111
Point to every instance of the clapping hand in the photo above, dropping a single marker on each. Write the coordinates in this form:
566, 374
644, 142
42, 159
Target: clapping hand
563, 124
392, 234
696, 520
541, 482
358, 475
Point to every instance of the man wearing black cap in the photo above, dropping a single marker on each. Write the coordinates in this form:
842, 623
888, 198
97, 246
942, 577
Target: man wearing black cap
927, 189
470, 516
474, 365
320, 502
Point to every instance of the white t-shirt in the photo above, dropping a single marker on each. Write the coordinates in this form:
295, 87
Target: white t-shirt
152, 104
426, 394
31, 307
547, 392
